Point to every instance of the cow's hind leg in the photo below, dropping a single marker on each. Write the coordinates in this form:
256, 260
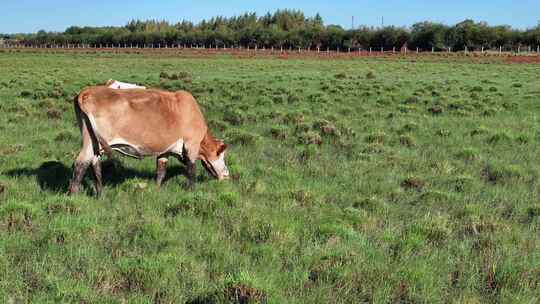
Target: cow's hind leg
79, 168
88, 155
161, 169
96, 166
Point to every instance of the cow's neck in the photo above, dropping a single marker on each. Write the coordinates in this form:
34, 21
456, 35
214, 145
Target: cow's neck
208, 145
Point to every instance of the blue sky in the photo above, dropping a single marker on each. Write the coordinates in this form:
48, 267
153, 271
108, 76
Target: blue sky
55, 15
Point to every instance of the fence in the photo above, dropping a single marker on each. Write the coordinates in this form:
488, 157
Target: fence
522, 50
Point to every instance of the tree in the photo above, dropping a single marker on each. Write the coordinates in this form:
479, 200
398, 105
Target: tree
428, 35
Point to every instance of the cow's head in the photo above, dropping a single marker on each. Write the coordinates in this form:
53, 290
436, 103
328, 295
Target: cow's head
212, 155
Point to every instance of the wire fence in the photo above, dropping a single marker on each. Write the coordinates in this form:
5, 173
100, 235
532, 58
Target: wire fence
520, 50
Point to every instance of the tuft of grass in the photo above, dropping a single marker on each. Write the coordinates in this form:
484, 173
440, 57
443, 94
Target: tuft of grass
517, 85
443, 132
54, 114
242, 137
501, 137
340, 76
503, 173
407, 141
310, 138
523, 139
411, 100
376, 138
533, 213
279, 132
468, 154
477, 89
463, 183
327, 128
235, 117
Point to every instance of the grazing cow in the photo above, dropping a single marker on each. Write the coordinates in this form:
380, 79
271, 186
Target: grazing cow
141, 123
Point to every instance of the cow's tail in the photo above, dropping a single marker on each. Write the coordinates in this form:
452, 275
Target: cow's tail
84, 121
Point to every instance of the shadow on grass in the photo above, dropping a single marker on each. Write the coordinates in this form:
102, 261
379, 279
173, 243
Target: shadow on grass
51, 176
54, 176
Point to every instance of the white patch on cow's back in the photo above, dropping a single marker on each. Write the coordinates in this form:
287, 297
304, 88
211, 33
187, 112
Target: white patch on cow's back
118, 85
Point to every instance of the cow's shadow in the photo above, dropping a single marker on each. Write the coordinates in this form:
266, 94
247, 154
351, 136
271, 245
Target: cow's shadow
54, 176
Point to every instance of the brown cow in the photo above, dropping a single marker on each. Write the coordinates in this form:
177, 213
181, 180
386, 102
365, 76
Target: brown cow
141, 123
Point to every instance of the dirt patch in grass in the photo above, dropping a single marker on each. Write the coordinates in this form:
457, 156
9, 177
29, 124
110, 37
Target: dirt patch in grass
435, 110
413, 183
242, 294
523, 59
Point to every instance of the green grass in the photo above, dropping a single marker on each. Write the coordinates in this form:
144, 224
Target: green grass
365, 180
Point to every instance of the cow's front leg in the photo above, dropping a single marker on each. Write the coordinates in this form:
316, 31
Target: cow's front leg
161, 170
190, 155
191, 173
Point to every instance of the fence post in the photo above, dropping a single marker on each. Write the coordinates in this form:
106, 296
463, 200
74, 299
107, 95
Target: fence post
417, 50
394, 50
370, 50
382, 49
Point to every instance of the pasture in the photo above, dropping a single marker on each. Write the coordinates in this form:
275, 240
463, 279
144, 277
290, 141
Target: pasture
385, 180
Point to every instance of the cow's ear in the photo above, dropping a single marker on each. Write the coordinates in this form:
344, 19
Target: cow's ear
222, 148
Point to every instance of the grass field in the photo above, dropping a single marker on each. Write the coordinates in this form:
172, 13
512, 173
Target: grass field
364, 180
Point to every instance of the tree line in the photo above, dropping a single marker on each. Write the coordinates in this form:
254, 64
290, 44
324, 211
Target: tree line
288, 29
